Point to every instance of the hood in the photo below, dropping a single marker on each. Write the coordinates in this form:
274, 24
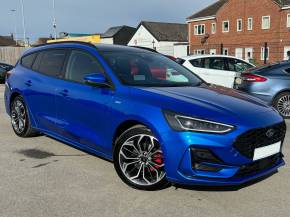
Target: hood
209, 102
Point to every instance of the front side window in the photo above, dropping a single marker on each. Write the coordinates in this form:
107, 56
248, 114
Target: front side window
199, 29
52, 62
214, 63
250, 24
238, 65
81, 64
28, 60
266, 22
148, 69
226, 26
239, 25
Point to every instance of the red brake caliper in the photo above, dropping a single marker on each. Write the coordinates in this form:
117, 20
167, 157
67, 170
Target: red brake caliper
158, 159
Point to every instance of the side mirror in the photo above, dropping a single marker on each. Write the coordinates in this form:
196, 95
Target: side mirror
97, 79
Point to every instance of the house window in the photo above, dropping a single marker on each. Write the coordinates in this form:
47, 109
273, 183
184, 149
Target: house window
199, 52
199, 29
266, 22
250, 24
226, 26
213, 28
288, 20
265, 52
239, 25
225, 51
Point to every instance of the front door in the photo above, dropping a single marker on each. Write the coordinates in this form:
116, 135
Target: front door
239, 53
249, 54
83, 109
287, 53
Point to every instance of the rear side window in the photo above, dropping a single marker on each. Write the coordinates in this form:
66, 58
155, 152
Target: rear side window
197, 63
52, 62
215, 63
180, 61
28, 60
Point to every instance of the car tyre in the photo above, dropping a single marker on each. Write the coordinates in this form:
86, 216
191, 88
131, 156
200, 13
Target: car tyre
20, 119
138, 159
282, 104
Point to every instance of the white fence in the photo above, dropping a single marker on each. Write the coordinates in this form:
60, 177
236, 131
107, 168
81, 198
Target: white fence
10, 55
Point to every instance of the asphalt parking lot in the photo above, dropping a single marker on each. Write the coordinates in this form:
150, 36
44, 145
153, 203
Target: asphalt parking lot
43, 177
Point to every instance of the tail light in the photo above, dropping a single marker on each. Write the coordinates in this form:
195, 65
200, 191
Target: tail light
253, 78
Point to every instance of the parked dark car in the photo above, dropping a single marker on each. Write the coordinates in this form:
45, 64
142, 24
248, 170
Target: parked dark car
3, 69
270, 83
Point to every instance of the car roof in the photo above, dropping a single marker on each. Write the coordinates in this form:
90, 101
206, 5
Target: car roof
192, 57
99, 47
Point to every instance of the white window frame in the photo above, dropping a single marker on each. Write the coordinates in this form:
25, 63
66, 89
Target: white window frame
199, 52
226, 49
263, 24
223, 25
250, 23
213, 28
238, 25
288, 21
196, 29
262, 53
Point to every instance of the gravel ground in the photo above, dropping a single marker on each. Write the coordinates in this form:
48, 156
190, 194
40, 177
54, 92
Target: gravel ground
43, 177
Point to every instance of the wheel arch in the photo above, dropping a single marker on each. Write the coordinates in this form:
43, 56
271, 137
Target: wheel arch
128, 124
278, 93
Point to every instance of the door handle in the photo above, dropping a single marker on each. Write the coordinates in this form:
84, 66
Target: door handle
64, 92
28, 83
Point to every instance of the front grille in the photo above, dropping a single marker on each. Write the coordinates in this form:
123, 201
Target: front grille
259, 166
257, 138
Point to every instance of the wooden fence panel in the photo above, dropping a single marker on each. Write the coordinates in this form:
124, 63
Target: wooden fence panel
10, 55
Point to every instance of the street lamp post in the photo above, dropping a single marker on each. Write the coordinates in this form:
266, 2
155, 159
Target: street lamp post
15, 28
23, 21
54, 19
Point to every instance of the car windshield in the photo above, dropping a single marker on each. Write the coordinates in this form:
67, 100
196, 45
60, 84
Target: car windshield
149, 69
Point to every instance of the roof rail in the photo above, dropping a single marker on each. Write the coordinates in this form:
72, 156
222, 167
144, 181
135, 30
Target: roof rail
65, 42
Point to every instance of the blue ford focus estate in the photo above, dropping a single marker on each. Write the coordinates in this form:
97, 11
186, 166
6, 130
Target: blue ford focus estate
158, 122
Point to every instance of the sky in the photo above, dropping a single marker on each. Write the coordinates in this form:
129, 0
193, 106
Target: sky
90, 16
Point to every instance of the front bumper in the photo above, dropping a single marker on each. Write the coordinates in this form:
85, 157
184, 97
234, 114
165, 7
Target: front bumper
234, 168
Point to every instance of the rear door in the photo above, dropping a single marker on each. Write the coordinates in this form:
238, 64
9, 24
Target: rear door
41, 80
215, 70
82, 110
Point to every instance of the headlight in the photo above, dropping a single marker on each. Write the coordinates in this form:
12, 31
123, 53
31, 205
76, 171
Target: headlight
183, 123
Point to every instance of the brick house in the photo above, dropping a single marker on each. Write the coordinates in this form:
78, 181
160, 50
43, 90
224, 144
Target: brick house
255, 30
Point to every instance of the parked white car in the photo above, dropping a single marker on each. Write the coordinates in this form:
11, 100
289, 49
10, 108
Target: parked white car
216, 69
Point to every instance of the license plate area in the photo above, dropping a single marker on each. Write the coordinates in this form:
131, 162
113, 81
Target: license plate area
267, 151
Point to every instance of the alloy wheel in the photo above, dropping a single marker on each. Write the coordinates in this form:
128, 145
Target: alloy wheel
283, 105
18, 116
141, 160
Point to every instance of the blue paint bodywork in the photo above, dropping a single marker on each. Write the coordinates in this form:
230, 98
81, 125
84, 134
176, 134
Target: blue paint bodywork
88, 117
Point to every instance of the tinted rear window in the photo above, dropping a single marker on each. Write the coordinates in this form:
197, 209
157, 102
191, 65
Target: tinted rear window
28, 60
196, 63
180, 61
52, 62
